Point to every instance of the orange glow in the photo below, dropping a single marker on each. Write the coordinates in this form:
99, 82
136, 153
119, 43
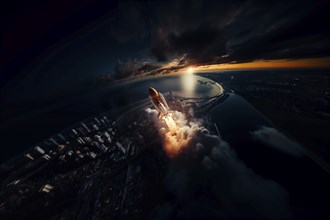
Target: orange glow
269, 64
177, 135
190, 70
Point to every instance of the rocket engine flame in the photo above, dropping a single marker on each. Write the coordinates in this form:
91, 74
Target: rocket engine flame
176, 131
173, 138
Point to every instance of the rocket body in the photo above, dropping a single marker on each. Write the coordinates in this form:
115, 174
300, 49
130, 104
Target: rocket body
158, 101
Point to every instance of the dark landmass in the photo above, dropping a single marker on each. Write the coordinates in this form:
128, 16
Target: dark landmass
68, 175
296, 101
100, 168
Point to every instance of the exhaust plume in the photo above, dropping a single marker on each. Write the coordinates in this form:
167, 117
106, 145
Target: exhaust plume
208, 180
175, 130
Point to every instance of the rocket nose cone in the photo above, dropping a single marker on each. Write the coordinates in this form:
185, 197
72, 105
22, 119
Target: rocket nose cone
153, 92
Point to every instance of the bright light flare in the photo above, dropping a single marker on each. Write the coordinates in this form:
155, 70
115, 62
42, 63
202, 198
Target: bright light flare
176, 131
188, 81
176, 135
170, 122
190, 70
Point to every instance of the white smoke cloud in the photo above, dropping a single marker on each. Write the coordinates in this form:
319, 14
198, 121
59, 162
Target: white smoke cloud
275, 139
209, 181
175, 130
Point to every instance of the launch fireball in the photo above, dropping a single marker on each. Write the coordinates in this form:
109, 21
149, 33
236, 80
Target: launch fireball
175, 130
178, 133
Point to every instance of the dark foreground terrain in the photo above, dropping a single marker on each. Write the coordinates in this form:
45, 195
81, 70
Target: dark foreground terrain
296, 101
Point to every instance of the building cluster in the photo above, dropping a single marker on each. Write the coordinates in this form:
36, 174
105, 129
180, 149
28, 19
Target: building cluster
86, 163
97, 169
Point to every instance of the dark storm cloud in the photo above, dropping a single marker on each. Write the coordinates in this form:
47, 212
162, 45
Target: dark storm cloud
194, 28
84, 45
242, 31
199, 44
125, 69
286, 30
131, 68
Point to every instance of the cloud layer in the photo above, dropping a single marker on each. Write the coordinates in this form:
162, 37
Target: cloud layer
222, 31
275, 139
215, 32
208, 181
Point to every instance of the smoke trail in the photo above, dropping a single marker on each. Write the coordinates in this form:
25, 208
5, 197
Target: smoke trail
175, 131
208, 181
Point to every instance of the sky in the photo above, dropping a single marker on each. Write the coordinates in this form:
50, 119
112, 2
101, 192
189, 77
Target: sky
47, 45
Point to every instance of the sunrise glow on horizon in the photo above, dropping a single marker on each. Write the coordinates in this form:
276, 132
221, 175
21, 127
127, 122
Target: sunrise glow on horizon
269, 64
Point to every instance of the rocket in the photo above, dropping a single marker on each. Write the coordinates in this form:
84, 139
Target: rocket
158, 101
